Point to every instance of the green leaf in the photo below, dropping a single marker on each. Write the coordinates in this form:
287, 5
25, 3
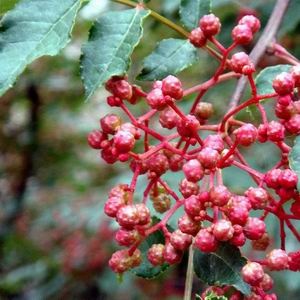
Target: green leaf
111, 43
32, 29
146, 269
222, 267
192, 10
6, 5
294, 159
213, 296
265, 78
171, 56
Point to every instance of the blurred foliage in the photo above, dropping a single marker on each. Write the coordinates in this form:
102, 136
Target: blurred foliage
58, 242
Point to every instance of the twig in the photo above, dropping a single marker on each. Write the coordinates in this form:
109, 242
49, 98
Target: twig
189, 276
261, 46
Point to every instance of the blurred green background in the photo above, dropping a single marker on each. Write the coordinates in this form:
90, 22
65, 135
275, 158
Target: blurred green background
54, 239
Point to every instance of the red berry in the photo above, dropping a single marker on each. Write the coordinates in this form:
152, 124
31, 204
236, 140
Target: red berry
110, 123
241, 63
128, 216
188, 127
277, 260
251, 21
253, 273
112, 205
208, 158
219, 195
284, 112
192, 206
197, 37
126, 237
168, 118
188, 188
293, 124
214, 142
180, 241
132, 129
124, 141
275, 131
237, 214
246, 134
119, 87
156, 99
238, 239
272, 178
171, 255
171, 86
120, 262
294, 261
113, 101
285, 100
258, 197
193, 170
156, 254
288, 179
210, 25
188, 225
175, 162
223, 230
95, 138
254, 228
283, 83
206, 241
242, 34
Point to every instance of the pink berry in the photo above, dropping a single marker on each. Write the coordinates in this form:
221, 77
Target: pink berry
295, 71
246, 134
223, 230
251, 21
210, 25
284, 112
214, 142
193, 170
241, 63
283, 83
275, 131
242, 34
267, 282
272, 178
288, 179
293, 124
176, 162
180, 241
253, 273
126, 237
258, 197
171, 86
156, 99
128, 216
254, 228
156, 254
95, 139
206, 241
208, 158
237, 214
168, 118
158, 164
108, 155
112, 205
188, 188
192, 206
132, 129
197, 37
143, 214
188, 225
124, 141
120, 262
238, 239
188, 127
277, 260
171, 255
219, 195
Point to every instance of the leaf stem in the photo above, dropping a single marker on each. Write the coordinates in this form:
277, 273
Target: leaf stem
189, 276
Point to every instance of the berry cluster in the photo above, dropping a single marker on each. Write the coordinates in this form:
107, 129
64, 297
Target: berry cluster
201, 150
